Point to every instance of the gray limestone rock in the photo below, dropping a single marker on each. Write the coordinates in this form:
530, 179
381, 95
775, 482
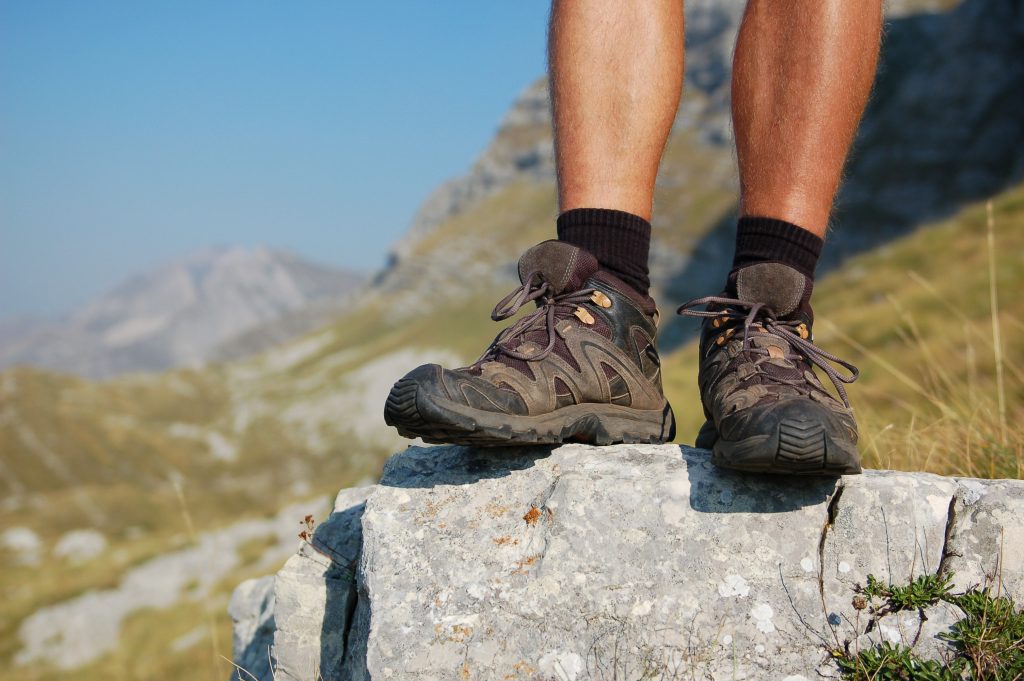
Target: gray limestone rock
986, 537
316, 595
614, 562
79, 546
252, 618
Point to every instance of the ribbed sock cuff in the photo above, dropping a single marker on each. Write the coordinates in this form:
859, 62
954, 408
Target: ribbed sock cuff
619, 240
771, 240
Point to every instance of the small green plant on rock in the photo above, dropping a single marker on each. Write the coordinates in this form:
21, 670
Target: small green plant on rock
893, 661
990, 636
926, 590
987, 642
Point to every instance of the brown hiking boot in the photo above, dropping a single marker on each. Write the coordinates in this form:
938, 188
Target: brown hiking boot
582, 367
766, 409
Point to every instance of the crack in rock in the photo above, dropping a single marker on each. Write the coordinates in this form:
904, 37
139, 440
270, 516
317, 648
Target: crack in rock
947, 538
944, 555
350, 611
830, 518
831, 510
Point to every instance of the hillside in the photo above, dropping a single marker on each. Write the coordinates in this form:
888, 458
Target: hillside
941, 131
905, 291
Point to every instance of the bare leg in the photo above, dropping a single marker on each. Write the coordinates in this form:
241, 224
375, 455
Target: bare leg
616, 74
801, 78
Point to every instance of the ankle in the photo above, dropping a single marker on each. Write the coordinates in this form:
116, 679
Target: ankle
619, 240
761, 240
643, 301
774, 264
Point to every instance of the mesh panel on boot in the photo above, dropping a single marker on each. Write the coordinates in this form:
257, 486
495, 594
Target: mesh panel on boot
563, 395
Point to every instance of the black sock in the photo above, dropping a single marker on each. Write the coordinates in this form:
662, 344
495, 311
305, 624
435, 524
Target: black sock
620, 241
771, 240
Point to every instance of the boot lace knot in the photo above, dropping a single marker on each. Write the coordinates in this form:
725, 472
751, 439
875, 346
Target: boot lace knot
758, 318
551, 308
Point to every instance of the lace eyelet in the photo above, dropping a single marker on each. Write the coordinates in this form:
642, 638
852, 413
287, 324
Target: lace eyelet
601, 299
584, 316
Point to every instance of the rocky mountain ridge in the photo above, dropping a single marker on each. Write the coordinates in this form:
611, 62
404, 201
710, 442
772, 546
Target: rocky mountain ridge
185, 312
522, 147
942, 130
615, 562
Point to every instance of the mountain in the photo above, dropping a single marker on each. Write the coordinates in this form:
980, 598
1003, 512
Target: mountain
942, 129
905, 295
185, 312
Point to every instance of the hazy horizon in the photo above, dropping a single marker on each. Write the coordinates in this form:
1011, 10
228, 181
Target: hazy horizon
136, 134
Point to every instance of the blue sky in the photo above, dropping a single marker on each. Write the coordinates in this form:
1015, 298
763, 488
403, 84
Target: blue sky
133, 132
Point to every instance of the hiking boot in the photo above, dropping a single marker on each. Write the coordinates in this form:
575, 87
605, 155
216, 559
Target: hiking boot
582, 367
766, 409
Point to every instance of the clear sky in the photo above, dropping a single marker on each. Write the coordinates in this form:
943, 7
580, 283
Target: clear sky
133, 132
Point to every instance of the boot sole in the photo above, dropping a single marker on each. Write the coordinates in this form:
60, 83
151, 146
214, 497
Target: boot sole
439, 421
796, 447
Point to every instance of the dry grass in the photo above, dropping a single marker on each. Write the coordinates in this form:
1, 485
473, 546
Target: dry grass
964, 432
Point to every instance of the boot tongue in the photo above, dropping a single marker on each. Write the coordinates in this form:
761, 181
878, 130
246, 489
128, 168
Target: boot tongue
563, 266
778, 286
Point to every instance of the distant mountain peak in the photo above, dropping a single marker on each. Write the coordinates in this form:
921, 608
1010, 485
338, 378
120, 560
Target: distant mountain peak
181, 311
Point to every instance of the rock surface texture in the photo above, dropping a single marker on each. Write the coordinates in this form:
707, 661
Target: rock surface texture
599, 563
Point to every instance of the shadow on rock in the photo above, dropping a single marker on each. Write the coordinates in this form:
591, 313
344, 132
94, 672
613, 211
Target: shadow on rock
448, 465
716, 490
339, 539
252, 613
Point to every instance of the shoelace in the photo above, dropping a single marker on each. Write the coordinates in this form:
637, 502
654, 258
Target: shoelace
761, 316
551, 308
